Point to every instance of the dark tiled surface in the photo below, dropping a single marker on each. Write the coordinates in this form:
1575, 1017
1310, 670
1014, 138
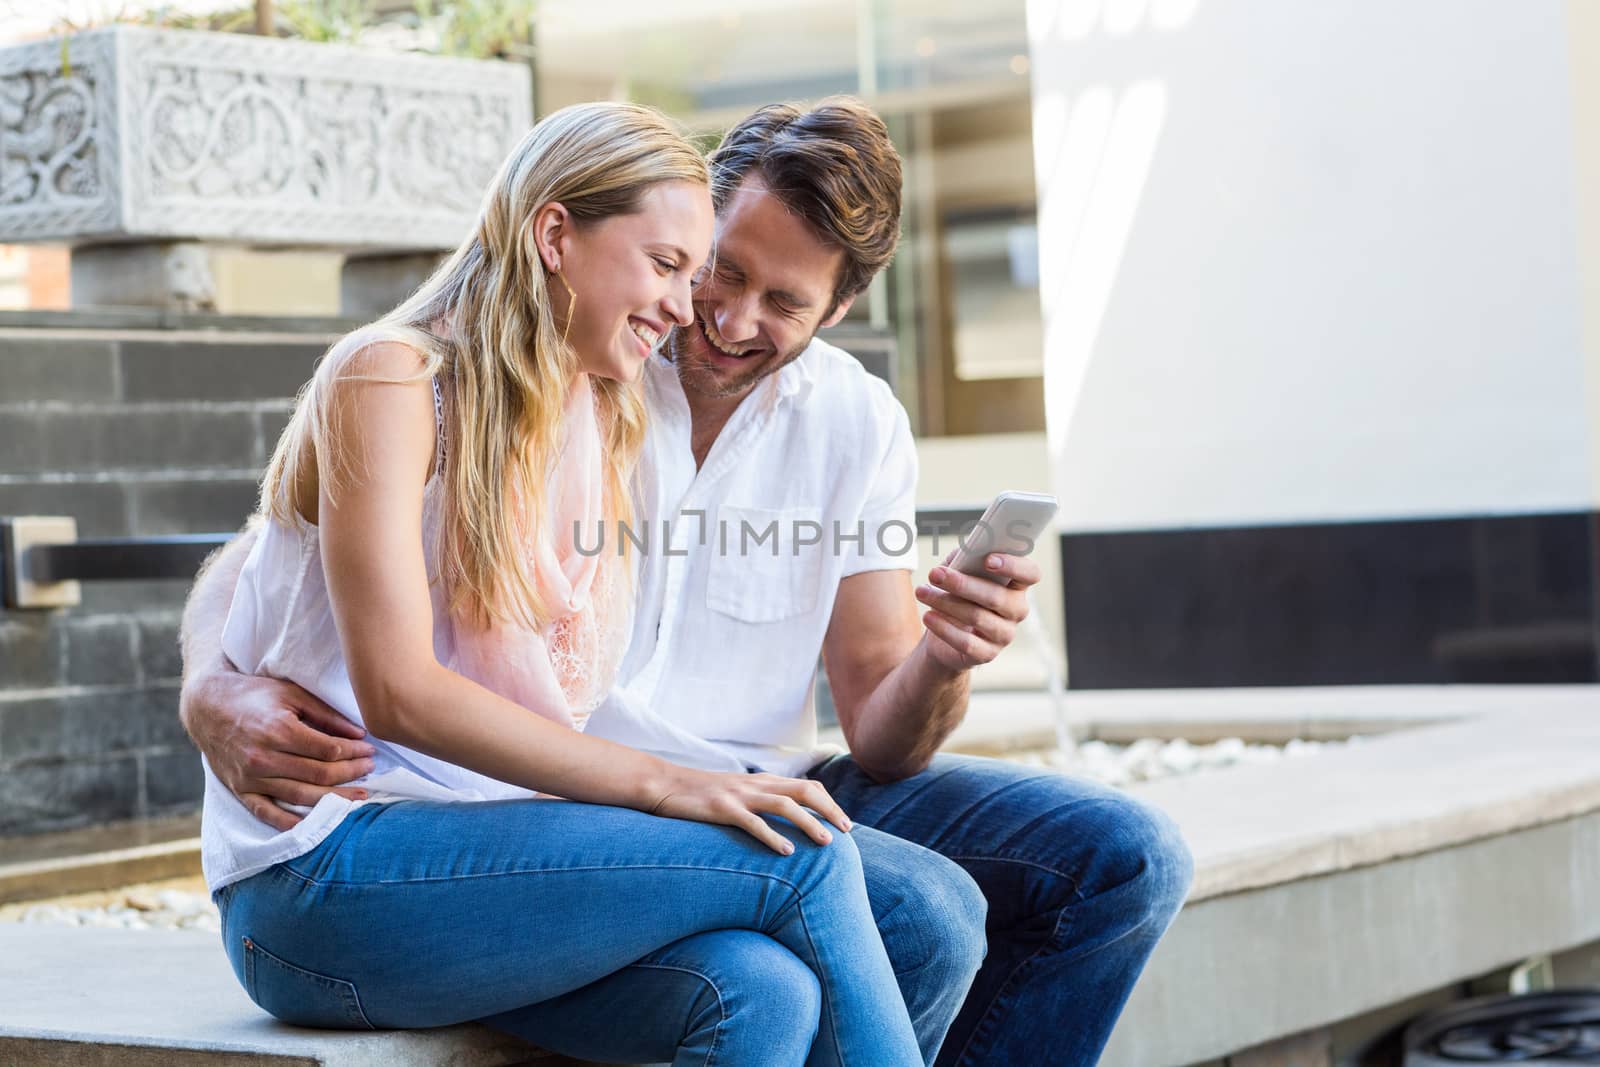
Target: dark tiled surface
30, 651
130, 318
88, 695
134, 597
191, 370
57, 796
101, 508
1491, 599
159, 658
76, 442
47, 649
55, 370
159, 710
74, 726
100, 651
24, 448
193, 507
173, 781
271, 424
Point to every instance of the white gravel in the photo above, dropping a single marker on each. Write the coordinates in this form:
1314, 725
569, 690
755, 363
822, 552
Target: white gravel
1151, 759
179, 905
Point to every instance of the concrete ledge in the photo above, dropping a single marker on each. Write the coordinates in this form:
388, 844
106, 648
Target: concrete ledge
79, 861
1240, 970
137, 997
140, 318
1331, 886
1525, 762
102, 870
259, 332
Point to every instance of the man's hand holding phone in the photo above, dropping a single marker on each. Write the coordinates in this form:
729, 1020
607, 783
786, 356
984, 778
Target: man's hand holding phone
979, 594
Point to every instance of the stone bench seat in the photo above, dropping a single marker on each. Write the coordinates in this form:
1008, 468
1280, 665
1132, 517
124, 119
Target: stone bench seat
1326, 887
144, 998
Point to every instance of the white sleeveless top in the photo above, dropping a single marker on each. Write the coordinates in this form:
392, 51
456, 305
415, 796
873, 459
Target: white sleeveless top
281, 625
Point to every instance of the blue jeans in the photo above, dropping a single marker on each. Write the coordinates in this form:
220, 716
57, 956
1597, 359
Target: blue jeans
416, 914
1069, 883
1080, 881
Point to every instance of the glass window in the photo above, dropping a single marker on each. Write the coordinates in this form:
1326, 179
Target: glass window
950, 78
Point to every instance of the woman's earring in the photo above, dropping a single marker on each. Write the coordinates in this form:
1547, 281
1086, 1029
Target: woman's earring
572, 305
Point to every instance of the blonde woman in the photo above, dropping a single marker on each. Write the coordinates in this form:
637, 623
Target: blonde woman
418, 572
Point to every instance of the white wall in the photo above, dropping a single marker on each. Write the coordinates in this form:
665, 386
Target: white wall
1583, 40
1306, 260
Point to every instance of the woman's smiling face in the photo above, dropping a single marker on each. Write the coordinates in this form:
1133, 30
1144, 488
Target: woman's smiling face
631, 276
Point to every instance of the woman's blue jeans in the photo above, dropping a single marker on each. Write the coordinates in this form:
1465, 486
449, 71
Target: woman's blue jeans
416, 914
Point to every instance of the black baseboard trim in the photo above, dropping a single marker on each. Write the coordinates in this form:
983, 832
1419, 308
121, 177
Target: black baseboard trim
1484, 599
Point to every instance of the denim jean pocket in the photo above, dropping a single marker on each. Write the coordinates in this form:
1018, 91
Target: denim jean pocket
298, 996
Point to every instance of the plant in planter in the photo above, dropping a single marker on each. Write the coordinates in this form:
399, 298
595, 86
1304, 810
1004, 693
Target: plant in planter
483, 29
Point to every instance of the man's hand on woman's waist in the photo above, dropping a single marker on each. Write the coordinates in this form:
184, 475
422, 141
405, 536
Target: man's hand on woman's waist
269, 740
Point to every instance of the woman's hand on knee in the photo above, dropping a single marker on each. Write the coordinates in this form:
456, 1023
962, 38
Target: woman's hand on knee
740, 800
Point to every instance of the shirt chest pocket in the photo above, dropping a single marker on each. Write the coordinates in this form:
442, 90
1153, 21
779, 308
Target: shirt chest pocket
766, 564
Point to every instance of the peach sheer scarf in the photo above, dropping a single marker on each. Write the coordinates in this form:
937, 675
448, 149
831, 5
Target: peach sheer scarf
563, 671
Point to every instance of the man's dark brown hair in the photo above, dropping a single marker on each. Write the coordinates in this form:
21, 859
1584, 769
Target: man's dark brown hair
834, 166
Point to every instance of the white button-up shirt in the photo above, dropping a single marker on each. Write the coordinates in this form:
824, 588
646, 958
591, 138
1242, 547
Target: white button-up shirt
813, 479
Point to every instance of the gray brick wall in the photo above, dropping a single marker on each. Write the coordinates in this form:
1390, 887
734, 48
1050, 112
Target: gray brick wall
134, 425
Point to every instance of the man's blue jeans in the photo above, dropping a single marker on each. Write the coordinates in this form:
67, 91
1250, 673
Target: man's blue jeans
1080, 882
1070, 883
596, 931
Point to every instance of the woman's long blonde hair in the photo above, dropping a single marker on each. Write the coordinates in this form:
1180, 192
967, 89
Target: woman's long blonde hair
483, 323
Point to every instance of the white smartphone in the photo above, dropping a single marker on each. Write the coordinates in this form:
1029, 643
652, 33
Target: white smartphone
1012, 524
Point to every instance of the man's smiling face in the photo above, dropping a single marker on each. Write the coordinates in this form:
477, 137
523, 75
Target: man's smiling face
771, 282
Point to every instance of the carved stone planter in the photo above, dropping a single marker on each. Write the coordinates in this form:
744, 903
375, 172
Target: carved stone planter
162, 136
